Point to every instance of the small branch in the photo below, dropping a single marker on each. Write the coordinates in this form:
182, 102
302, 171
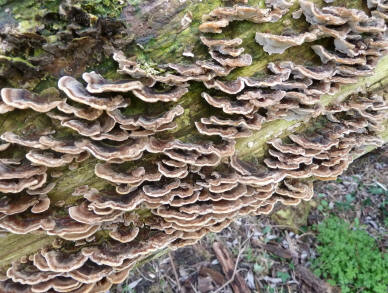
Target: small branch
287, 227
193, 287
145, 278
227, 282
175, 272
312, 281
273, 248
235, 271
306, 234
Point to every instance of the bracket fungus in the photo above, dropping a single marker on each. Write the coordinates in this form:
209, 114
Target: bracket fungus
23, 99
221, 17
194, 184
97, 84
278, 44
76, 91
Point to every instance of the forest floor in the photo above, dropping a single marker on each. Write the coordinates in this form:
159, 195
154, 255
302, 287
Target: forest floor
275, 253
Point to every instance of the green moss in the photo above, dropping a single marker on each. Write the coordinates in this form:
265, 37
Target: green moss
105, 8
29, 12
71, 179
16, 60
168, 47
17, 245
46, 82
292, 217
106, 67
136, 107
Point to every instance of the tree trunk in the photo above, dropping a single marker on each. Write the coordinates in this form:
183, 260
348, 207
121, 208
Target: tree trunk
43, 41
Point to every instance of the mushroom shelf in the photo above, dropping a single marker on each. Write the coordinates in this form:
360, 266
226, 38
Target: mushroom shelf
118, 144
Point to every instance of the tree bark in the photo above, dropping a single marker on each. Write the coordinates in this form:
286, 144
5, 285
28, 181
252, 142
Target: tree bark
42, 41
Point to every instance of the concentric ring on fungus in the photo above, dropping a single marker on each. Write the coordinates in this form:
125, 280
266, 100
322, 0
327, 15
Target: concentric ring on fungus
190, 185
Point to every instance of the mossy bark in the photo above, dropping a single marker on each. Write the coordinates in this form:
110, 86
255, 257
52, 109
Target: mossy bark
32, 56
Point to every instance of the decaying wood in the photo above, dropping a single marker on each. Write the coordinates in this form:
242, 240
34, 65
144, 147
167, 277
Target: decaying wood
229, 267
272, 248
313, 283
131, 173
217, 277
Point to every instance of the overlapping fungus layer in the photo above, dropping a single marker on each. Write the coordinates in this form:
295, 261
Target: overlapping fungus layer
191, 188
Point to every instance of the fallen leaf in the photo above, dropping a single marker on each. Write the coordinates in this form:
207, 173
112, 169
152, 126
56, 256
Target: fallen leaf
250, 280
134, 283
205, 284
216, 276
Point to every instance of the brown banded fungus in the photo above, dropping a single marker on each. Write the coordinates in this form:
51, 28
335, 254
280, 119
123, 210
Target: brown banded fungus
97, 84
76, 91
23, 99
278, 44
42, 205
80, 111
154, 123
330, 15
221, 17
188, 186
205, 154
152, 96
49, 158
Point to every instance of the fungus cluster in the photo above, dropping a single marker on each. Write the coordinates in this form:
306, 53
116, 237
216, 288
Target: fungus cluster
293, 90
343, 24
221, 17
193, 186
189, 199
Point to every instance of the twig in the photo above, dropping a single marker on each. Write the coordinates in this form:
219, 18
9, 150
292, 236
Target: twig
193, 287
305, 234
175, 272
229, 281
170, 281
145, 278
235, 271
292, 248
287, 227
